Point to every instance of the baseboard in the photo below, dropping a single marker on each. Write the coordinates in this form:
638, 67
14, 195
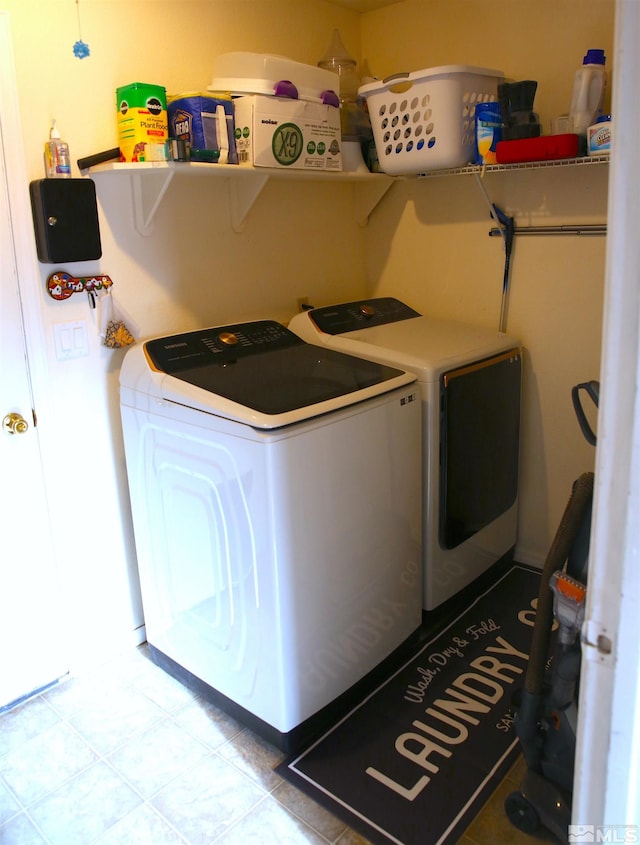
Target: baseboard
529, 557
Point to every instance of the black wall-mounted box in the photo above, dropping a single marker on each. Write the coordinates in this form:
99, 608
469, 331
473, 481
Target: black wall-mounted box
65, 219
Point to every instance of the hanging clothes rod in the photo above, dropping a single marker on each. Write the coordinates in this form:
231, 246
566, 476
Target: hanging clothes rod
592, 229
499, 231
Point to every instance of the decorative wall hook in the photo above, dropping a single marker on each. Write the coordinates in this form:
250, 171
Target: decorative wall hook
80, 48
61, 285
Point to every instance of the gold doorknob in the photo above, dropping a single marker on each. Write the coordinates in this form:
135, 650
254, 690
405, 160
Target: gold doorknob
14, 424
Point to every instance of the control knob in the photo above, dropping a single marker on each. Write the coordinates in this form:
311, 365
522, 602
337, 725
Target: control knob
228, 338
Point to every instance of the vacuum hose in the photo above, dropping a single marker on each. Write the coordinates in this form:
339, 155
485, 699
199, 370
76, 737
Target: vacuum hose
529, 710
579, 501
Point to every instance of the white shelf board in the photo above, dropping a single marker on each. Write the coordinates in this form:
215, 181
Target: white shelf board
150, 180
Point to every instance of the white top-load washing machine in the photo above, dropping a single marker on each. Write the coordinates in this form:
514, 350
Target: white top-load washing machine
275, 495
470, 382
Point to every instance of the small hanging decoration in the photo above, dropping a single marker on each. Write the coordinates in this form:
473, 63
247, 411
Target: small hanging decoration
112, 322
117, 335
80, 49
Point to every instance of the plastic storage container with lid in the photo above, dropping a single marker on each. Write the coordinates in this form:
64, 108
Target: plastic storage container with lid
262, 73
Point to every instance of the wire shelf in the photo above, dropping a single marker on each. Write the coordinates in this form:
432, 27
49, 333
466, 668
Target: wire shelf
470, 169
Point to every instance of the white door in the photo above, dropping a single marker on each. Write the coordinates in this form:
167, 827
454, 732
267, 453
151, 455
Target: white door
30, 617
607, 785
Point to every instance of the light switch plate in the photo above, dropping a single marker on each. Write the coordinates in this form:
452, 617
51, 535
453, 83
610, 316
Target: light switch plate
71, 340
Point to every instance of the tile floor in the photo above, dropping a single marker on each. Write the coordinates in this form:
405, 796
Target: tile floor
126, 755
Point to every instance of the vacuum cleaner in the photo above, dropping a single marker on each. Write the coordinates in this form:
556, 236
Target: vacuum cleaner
546, 713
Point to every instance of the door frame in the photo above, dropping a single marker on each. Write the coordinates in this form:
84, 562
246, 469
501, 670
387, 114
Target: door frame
607, 783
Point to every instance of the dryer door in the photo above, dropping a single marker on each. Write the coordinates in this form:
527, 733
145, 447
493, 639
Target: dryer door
479, 444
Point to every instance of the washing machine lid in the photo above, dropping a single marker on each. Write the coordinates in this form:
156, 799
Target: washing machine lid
259, 373
385, 329
363, 314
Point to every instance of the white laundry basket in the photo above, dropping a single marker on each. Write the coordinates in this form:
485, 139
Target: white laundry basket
425, 120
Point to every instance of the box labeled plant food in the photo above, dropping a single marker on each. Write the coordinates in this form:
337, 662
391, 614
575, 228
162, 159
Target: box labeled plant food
142, 122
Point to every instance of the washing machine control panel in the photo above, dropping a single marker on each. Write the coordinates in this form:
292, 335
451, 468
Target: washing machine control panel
350, 316
216, 345
262, 366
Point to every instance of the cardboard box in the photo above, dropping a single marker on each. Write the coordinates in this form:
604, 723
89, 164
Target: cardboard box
142, 122
280, 132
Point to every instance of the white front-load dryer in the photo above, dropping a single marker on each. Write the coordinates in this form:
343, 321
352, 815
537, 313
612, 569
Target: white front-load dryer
470, 384
276, 507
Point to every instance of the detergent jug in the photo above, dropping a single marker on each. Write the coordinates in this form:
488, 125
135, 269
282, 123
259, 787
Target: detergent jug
588, 92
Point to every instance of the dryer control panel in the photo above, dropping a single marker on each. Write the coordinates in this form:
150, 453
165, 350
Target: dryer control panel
350, 316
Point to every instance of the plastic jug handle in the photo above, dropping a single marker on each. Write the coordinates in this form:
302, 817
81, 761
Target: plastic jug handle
585, 83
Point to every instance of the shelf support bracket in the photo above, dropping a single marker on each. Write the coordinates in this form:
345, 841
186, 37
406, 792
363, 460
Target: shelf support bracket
243, 193
148, 189
367, 195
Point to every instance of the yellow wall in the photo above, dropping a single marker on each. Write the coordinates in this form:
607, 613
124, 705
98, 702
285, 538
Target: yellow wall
426, 242
543, 40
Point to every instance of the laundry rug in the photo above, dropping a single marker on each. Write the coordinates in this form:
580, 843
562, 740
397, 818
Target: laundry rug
416, 761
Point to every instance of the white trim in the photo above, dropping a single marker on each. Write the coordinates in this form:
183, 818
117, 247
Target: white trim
20, 210
608, 756
28, 270
30, 292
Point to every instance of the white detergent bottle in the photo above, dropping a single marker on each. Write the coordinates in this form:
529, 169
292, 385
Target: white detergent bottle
588, 92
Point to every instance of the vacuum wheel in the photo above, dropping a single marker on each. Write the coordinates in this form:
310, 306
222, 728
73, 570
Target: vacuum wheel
521, 813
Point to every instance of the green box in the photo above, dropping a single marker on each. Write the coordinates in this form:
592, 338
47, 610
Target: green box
142, 122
